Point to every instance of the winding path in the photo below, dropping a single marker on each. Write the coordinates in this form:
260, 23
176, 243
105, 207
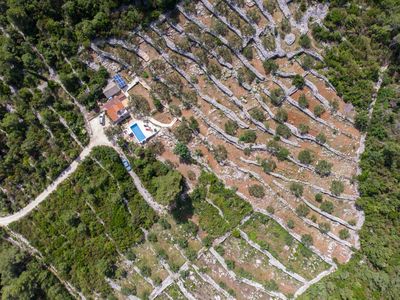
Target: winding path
98, 138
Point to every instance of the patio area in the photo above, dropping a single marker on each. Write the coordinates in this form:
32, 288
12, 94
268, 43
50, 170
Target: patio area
140, 131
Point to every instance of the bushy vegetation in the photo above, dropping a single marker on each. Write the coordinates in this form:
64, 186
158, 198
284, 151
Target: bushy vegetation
353, 60
234, 208
24, 277
66, 228
163, 182
35, 146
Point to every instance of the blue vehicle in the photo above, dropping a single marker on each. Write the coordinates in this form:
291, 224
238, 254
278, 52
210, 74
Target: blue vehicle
127, 165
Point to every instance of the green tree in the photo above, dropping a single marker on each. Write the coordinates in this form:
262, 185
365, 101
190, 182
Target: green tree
318, 110
283, 130
344, 234
305, 41
323, 168
249, 136
305, 156
303, 102
321, 138
183, 151
257, 114
304, 128
327, 206
337, 187
302, 210
298, 81
296, 189
231, 127
268, 165
307, 240
270, 66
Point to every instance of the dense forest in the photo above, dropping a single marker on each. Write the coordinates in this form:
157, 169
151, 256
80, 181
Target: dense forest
361, 37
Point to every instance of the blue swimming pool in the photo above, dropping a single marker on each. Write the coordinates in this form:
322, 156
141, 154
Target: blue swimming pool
138, 132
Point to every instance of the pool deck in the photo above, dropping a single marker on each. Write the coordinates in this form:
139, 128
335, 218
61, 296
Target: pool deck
148, 129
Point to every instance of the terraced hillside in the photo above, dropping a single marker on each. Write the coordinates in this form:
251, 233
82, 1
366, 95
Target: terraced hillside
245, 79
248, 188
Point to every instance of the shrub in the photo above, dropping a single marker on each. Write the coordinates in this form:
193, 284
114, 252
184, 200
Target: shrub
344, 234
248, 52
145, 270
277, 96
247, 151
296, 189
304, 128
183, 243
321, 138
305, 157
305, 41
220, 153
182, 151
290, 224
220, 250
152, 237
231, 127
298, 81
318, 197
318, 110
323, 168
337, 187
207, 241
302, 210
303, 102
249, 136
313, 218
325, 227
327, 206
271, 285
257, 191
285, 26
268, 165
183, 132
282, 153
282, 115
236, 233
254, 16
283, 130
270, 209
257, 114
175, 110
270, 66
307, 240
361, 120
215, 69
190, 228
334, 105
191, 254
230, 264
308, 62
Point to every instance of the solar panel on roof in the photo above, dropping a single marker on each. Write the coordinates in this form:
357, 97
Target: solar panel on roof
120, 81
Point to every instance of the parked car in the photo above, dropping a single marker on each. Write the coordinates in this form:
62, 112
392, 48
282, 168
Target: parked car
127, 165
102, 118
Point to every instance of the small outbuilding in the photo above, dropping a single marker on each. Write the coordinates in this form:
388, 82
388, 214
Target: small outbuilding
111, 89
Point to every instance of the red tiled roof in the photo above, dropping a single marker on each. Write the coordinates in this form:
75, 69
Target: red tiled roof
113, 106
